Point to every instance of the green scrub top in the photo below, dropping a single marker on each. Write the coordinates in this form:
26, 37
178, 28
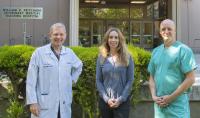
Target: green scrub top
168, 67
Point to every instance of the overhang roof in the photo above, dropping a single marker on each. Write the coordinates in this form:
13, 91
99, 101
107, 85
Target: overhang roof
117, 1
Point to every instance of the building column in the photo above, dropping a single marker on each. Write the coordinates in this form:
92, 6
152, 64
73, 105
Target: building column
182, 21
174, 10
74, 23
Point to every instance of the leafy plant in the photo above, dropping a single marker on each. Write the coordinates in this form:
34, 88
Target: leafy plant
141, 59
15, 110
85, 92
14, 62
135, 40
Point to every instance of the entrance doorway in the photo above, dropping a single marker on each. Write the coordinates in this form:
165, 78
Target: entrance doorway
123, 25
141, 33
90, 32
97, 32
138, 23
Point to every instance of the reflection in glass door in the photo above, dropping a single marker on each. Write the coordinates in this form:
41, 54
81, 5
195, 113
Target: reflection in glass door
135, 37
141, 34
97, 32
90, 32
84, 33
123, 25
147, 35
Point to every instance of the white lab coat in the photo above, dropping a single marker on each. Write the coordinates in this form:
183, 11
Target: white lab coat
49, 81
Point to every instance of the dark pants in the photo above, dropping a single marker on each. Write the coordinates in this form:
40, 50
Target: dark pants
120, 112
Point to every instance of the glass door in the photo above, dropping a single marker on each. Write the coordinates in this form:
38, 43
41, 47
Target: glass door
141, 34
97, 32
84, 33
135, 33
147, 35
123, 25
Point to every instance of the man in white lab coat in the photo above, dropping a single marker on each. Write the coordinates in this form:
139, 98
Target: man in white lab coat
52, 70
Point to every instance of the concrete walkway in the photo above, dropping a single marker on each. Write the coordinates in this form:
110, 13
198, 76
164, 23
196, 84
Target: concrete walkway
195, 94
197, 71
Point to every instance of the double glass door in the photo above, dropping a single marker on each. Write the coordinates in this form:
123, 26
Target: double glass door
123, 25
141, 34
90, 33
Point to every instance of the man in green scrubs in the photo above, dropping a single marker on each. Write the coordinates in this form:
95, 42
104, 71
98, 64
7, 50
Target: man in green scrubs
171, 71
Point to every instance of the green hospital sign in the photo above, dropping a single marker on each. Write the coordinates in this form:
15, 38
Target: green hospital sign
22, 13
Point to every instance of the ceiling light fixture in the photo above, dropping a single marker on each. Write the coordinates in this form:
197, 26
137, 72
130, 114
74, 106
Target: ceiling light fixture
138, 2
103, 2
91, 1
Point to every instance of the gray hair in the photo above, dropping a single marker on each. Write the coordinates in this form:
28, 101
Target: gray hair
57, 25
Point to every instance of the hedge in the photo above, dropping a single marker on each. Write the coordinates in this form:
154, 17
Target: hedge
14, 62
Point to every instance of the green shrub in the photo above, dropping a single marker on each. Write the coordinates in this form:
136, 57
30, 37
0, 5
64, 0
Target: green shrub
14, 62
15, 110
85, 92
141, 59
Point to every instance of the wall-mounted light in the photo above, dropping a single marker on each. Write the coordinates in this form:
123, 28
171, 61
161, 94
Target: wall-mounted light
91, 1
138, 2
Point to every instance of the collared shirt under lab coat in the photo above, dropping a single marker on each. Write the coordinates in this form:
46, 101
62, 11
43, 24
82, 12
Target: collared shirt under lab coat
49, 81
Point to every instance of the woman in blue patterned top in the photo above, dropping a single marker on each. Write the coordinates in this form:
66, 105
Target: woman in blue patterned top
114, 75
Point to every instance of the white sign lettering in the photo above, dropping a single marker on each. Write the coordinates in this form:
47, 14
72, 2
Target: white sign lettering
22, 12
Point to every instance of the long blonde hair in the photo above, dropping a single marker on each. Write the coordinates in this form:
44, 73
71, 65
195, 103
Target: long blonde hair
122, 52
